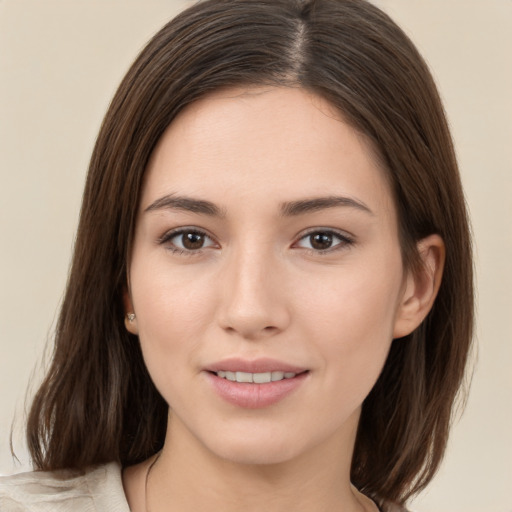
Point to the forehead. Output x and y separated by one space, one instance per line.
266 143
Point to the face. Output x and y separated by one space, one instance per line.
266 249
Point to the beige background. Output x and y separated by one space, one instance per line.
60 61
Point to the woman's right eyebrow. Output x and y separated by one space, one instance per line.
189 204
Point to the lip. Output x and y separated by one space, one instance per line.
252 395
261 365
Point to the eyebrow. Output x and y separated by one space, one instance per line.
188 204
321 203
288 209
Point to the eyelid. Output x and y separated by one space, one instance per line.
346 239
169 235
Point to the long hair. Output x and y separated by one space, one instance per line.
97 402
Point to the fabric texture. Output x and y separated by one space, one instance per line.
99 489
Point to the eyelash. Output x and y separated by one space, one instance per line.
181 231
343 239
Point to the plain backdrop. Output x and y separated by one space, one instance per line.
60 62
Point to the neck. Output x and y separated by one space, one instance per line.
188 476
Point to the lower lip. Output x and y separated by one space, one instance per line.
254 396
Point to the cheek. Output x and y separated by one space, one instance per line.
352 318
173 309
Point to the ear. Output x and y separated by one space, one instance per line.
130 320
421 286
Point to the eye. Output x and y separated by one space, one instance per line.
323 241
187 240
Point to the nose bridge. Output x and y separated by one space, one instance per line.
253 302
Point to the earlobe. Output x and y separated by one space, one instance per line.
421 286
130 320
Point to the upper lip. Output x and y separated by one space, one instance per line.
261 365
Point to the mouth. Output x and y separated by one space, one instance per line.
256 378
255 384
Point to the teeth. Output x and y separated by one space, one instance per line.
244 377
257 378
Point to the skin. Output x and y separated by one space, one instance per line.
260 287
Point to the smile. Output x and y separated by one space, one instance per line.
255 390
257 378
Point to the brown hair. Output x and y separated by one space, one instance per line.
97 403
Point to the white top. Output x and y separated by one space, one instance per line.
99 489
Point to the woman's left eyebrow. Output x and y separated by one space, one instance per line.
320 203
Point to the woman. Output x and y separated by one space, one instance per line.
270 302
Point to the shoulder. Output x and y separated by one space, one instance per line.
99 488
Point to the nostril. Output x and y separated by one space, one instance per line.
252 331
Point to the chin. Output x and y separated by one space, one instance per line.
259 449
245 454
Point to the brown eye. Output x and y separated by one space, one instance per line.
192 241
324 241
187 240
321 241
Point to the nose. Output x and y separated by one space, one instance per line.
253 303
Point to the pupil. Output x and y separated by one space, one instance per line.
321 241
193 240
